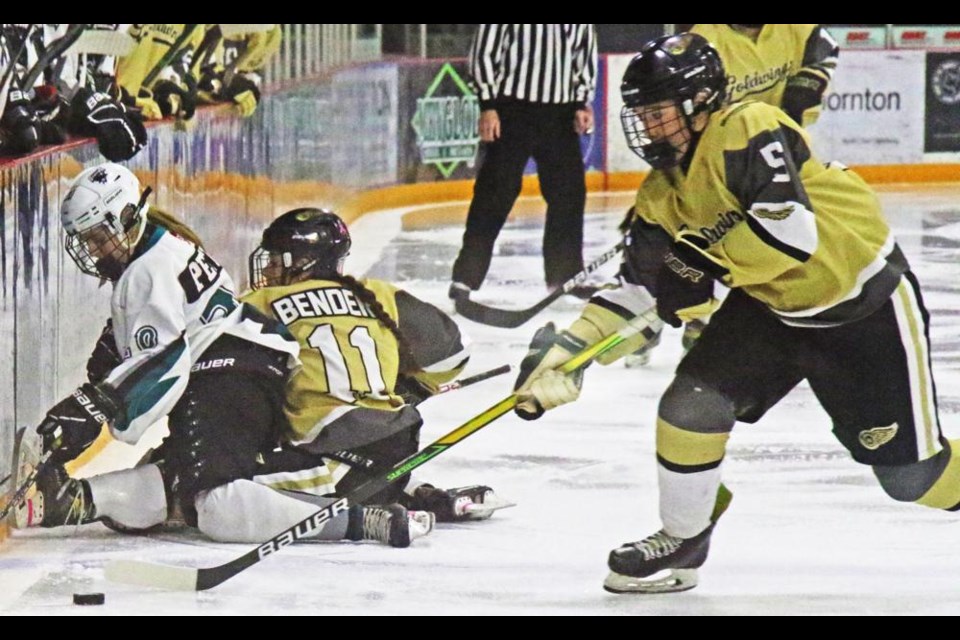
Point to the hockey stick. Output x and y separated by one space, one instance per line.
192 579
178 46
480 377
9 71
53 50
25 486
510 319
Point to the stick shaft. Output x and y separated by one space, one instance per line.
480 377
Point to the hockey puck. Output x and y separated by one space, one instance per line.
89 598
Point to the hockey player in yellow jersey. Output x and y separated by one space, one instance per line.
370 352
230 64
155 77
784 65
820 291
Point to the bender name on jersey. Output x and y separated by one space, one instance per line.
319 302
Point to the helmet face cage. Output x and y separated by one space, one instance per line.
684 70
300 244
659 154
274 269
103 215
260 275
100 251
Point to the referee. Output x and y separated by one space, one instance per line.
535 83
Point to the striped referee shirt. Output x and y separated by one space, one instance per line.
540 63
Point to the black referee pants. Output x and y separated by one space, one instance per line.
544 132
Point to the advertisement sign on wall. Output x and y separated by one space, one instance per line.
860 37
925 37
438 116
439 113
871 112
942 131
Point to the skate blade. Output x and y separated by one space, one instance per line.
421 523
484 510
666 581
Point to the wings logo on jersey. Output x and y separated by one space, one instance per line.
771 213
875 438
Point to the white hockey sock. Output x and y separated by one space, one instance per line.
133 498
244 511
687 500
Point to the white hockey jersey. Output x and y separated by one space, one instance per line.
171 303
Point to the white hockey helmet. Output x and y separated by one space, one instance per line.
103 214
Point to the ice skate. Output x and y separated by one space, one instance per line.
390 524
663 563
474 502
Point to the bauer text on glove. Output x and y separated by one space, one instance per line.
75 422
685 283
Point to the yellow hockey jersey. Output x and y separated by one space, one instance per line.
760 70
808 240
351 360
159 47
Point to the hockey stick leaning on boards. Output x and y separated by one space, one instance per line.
11 68
25 486
511 318
192 579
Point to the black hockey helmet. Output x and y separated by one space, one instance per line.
677 67
682 68
306 241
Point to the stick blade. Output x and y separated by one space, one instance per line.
504 318
148 574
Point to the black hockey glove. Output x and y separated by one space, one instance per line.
20 134
412 390
105 356
177 99
685 283
52 111
244 93
75 422
210 84
539 387
803 91
120 134
646 244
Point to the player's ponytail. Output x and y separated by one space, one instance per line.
173 224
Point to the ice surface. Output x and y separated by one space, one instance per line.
808 532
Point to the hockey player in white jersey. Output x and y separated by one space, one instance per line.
185 348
